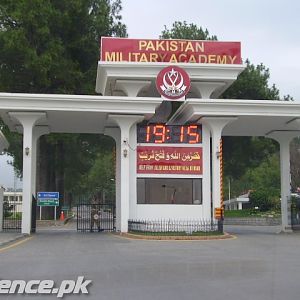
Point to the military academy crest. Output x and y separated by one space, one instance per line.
173 83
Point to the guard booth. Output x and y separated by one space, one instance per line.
159 102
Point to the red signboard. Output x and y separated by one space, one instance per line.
173 83
169 160
170 51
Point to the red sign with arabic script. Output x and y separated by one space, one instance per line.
169 160
170 51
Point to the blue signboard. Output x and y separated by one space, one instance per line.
48 198
48 195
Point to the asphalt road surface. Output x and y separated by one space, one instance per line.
259 264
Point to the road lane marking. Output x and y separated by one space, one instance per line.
15 244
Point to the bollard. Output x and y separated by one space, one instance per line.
220 226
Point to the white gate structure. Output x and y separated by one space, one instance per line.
129 98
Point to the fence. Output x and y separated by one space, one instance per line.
95 217
176 227
12 216
295 213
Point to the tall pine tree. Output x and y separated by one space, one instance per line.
52 46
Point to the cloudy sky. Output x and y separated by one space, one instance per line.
269 31
7 178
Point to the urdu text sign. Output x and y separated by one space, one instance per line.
169 160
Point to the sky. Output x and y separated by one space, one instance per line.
7 177
269 32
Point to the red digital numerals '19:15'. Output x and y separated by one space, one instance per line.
160 134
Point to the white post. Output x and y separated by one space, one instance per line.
284 139
216 126
125 122
1 207
240 205
38 131
115 133
3 142
229 189
3 145
28 120
285 177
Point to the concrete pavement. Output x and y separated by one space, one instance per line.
258 264
9 237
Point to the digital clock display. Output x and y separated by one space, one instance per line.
169 134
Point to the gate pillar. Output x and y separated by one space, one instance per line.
115 133
216 126
125 123
28 121
3 145
284 138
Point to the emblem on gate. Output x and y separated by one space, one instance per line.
173 83
96 216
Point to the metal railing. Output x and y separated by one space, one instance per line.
12 216
95 217
295 213
176 227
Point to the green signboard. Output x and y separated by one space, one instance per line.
48 199
48 202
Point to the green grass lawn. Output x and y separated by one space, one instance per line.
13 216
250 213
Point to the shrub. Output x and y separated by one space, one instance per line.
263 200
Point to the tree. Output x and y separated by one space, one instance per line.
264 177
263 182
295 163
253 83
240 153
262 200
183 30
53 47
102 176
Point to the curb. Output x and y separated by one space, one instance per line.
226 236
12 240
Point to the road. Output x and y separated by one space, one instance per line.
258 264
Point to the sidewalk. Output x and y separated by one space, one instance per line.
8 237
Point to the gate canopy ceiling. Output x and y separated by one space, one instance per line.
88 114
253 117
74 113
